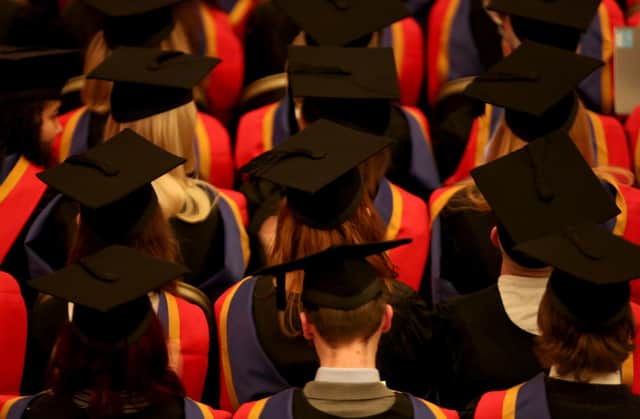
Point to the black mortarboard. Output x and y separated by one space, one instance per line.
576 14
110 290
340 22
353 73
353 86
112 182
339 277
541 189
319 169
135 23
592 270
151 81
532 79
35 73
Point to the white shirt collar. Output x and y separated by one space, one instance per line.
613 378
347 375
521 297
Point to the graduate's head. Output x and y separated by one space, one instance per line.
537 98
151 24
585 316
344 298
111 183
555 23
533 192
29 99
353 87
113 344
328 206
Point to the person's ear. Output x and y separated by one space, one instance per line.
307 328
387 319
494 237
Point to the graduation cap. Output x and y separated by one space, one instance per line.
532 79
576 14
339 277
340 22
540 190
135 23
592 272
352 86
112 183
22 72
110 291
151 81
319 170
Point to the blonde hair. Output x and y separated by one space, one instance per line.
294 240
179 195
96 94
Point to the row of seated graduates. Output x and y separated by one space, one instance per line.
212 182
454 52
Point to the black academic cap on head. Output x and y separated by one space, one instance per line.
592 272
319 169
151 81
338 278
23 77
543 188
341 73
135 23
110 290
351 86
576 14
339 22
532 79
112 182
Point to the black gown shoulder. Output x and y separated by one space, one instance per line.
568 400
202 249
479 349
52 407
469 261
47 318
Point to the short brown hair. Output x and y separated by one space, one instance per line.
578 351
338 327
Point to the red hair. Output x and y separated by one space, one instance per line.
141 369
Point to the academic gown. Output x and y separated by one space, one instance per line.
13 339
46 405
22 197
83 129
549 398
258 360
269 33
479 348
292 404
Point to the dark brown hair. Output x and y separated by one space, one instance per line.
339 327
582 353
140 369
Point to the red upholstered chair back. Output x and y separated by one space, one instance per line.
13 335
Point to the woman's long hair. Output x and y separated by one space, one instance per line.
113 378
180 196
